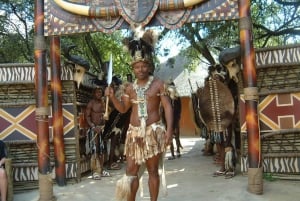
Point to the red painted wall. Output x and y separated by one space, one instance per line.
187 125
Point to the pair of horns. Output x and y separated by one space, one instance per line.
112 11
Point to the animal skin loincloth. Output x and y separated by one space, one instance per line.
140 147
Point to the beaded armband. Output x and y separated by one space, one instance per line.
165 92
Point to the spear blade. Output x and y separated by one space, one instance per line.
109 71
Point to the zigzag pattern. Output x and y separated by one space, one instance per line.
275 164
21 74
30 173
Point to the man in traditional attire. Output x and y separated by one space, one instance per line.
95 118
147 137
176 105
114 127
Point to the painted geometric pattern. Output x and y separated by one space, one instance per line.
85 165
276 164
278 55
15 73
215 10
30 173
276 112
60 22
18 123
68 119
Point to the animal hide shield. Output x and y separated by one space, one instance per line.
179 17
197 117
137 11
216 105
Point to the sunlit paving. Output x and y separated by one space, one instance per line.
187 178
176 100
172 185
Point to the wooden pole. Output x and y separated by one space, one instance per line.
10 179
41 84
255 182
56 92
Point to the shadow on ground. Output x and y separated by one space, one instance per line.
189 178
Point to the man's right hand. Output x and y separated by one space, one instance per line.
97 129
109 91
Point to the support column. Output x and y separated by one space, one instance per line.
57 114
42 109
255 181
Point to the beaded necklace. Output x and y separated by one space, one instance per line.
141 101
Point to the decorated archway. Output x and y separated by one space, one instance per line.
62 17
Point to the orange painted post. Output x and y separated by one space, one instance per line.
255 171
57 114
42 109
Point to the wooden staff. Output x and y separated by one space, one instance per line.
109 79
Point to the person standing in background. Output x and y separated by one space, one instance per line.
95 118
3 176
176 105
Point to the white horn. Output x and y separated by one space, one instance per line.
111 11
89 11
190 3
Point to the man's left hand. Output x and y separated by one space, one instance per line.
168 138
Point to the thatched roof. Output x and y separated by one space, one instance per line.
181 76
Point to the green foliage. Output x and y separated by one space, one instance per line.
97 48
16 31
274 23
9 52
195 57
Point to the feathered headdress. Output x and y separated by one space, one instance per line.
141 45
